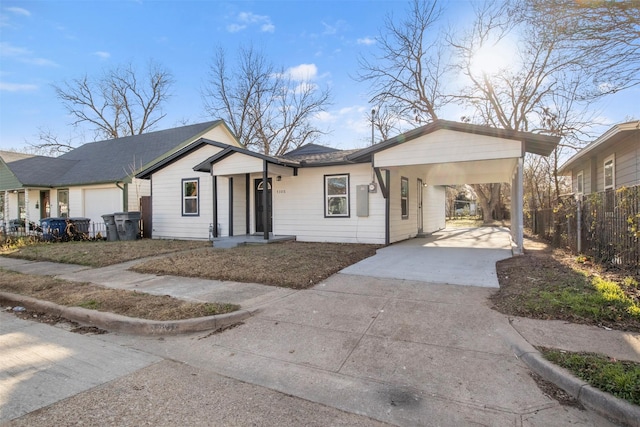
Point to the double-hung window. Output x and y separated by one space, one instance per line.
190 201
580 184
404 197
609 172
336 195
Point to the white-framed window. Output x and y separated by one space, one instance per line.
63 203
190 200
580 183
336 196
610 172
404 197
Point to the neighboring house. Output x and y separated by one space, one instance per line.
611 161
94 179
391 191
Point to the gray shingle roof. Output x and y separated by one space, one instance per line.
105 161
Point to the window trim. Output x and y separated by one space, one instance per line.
403 181
580 183
196 197
611 159
347 196
60 214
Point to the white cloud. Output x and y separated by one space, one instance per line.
302 72
234 28
7 50
332 29
325 117
246 19
17 87
367 41
102 54
18 11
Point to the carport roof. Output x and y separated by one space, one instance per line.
533 143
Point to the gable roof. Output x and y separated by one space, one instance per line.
613 135
106 161
533 143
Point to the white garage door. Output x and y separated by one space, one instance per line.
98 202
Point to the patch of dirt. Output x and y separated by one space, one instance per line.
49 319
554 392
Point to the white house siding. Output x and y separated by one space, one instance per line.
137 188
239 205
403 228
76 202
298 207
166 190
433 208
445 146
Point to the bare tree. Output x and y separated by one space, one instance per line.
408 74
119 103
555 71
269 109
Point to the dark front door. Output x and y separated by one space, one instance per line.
146 213
259 188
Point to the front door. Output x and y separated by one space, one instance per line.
45 207
259 188
419 200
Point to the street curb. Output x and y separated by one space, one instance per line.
605 404
118 323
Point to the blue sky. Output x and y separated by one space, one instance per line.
46 42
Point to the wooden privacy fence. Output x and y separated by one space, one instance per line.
603 226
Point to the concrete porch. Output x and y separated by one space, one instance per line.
248 239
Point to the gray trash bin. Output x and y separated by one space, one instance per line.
128 224
82 224
112 229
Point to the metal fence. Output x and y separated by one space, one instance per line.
18 229
603 226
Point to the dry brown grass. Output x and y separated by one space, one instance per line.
126 303
289 264
100 253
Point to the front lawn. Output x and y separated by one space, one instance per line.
295 265
548 283
95 253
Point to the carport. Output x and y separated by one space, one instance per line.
451 153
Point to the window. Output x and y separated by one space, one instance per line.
190 196
580 183
22 212
63 203
336 195
404 197
609 172
2 206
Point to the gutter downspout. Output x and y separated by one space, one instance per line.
125 195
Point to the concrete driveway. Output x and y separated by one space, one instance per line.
459 256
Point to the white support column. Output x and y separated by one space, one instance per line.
6 210
26 211
517 216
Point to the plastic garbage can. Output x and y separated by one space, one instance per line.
112 229
128 224
53 228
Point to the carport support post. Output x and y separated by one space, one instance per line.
265 199
517 220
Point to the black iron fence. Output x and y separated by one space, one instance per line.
604 226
